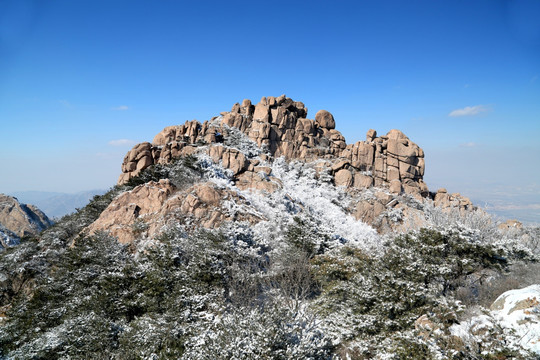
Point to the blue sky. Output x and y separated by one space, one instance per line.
76 76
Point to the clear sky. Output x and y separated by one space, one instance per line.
82 81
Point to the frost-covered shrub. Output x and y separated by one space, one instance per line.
303 236
18 266
395 215
24 266
182 172
527 236
91 302
366 298
270 332
532 239
153 336
453 218
70 300
240 141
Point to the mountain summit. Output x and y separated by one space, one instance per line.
280 127
378 181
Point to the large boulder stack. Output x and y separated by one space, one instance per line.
280 127
391 161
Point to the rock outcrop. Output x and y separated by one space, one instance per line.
149 208
445 200
280 127
510 224
246 142
18 220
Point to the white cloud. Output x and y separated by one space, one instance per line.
121 108
469 111
468 144
122 142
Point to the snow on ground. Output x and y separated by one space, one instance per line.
7 238
519 310
325 202
301 194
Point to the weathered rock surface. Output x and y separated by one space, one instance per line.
445 200
149 208
20 220
510 224
121 217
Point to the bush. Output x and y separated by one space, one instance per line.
381 297
93 299
182 172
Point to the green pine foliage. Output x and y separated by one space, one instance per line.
99 300
378 299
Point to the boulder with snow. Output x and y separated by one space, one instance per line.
519 310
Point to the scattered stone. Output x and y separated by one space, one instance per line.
343 178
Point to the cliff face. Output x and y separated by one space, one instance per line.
18 220
280 127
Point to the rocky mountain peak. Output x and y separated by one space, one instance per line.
378 181
261 218
279 127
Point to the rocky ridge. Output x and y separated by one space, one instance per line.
383 175
280 127
19 220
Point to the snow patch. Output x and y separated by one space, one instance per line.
519 310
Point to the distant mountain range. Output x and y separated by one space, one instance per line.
56 204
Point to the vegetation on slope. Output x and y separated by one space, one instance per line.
222 294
